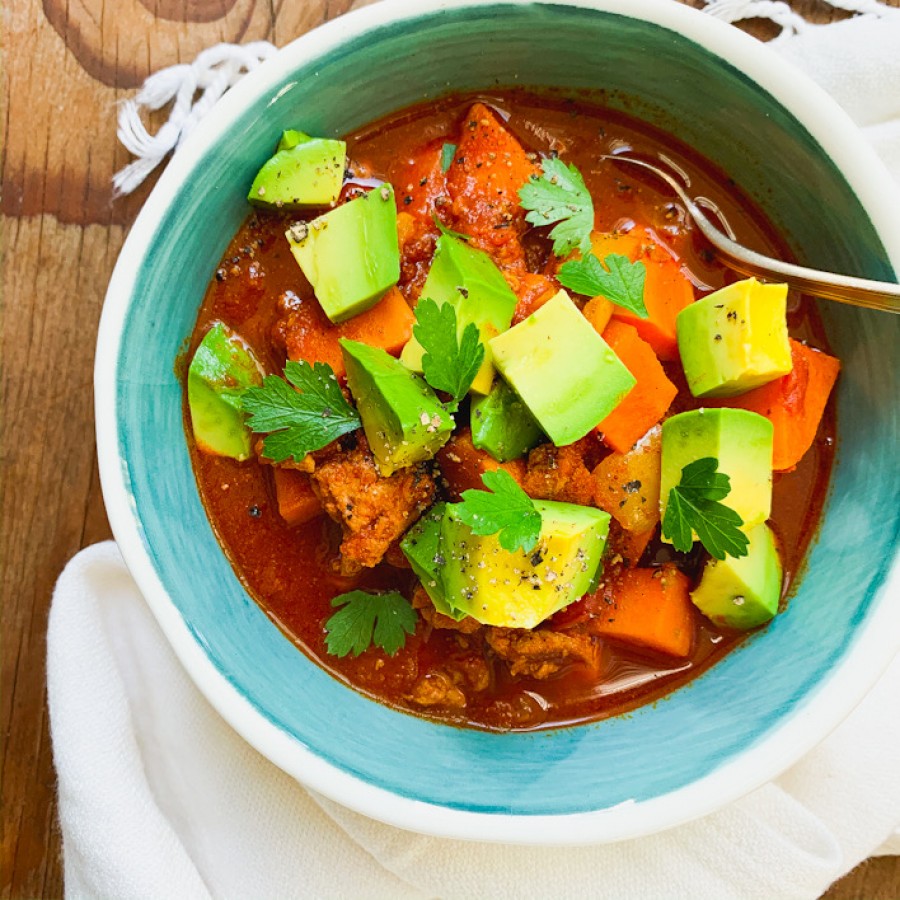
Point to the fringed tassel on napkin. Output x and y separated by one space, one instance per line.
781 14
217 69
212 73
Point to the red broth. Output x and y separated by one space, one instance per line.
290 570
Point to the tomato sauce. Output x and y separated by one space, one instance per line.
289 570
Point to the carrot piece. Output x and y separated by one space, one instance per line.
646 403
420 180
793 403
297 502
462 464
667 289
387 325
598 312
626 485
651 608
483 182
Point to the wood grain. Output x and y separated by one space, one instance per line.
67 64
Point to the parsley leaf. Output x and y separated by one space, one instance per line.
385 619
560 195
302 420
621 282
508 510
448 151
450 363
693 506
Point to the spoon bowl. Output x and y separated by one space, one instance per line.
880 295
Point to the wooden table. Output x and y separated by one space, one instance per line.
67 64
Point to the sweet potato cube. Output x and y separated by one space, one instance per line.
489 167
667 289
598 311
626 485
647 402
387 325
794 403
297 502
649 608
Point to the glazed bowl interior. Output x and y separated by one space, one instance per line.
732 728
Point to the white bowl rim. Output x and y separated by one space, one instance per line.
875 645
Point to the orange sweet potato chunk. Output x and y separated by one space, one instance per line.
793 403
626 485
647 402
667 289
297 502
483 182
650 608
387 325
419 181
598 311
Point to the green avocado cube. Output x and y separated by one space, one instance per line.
223 368
741 442
290 138
566 374
469 280
403 419
742 592
304 172
518 589
502 424
350 255
421 545
735 339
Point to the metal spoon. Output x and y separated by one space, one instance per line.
882 295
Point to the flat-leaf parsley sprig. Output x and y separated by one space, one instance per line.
300 414
364 619
616 278
451 362
693 506
507 510
560 196
448 151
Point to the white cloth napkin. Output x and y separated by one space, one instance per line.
158 797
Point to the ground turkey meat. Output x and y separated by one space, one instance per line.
562 473
373 511
438 689
541 653
448 685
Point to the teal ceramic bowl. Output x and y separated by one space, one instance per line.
743 722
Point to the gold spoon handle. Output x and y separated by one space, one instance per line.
880 295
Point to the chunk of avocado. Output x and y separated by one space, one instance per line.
402 417
741 441
290 138
468 279
518 589
304 171
223 367
421 545
502 424
742 592
566 374
351 254
735 339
